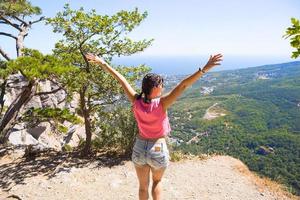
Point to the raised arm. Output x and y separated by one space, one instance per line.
168 99
129 91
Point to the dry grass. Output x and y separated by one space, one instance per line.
176 156
265 183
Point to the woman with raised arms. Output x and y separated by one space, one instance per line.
150 152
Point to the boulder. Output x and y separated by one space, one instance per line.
22 138
74 134
45 136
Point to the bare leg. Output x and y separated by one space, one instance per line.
143 176
156 187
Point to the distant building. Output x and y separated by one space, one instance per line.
265 150
174 141
263 75
206 90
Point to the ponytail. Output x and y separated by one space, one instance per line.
140 95
145 99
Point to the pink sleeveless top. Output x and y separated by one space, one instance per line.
152 121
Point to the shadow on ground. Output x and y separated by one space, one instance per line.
49 163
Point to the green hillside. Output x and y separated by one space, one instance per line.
260 121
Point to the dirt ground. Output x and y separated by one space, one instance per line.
62 177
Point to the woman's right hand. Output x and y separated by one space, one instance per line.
94 58
213 61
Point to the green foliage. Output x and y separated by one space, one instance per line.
260 114
44 114
35 65
67 148
106 36
18 8
34 116
176 156
293 33
62 129
101 34
4 71
117 129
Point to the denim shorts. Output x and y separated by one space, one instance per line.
152 153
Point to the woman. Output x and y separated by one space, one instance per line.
150 151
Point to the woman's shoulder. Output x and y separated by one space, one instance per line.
136 97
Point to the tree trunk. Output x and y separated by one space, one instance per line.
20 39
3 87
8 120
88 132
87 123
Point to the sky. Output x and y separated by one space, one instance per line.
235 28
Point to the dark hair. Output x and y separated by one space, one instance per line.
150 81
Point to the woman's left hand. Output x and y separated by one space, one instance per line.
94 58
213 61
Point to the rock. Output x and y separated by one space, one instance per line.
22 138
45 86
42 134
48 138
37 131
17 81
35 102
74 134
73 104
59 97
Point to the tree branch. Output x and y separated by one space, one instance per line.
62 87
10 23
85 60
94 106
49 92
87 38
4 54
108 103
42 18
16 87
8 35
62 100
20 20
113 38
52 78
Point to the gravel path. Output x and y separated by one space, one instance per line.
210 114
217 178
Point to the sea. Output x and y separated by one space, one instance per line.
182 65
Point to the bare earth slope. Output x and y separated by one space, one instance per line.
218 177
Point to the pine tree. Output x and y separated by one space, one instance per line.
15 14
105 36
